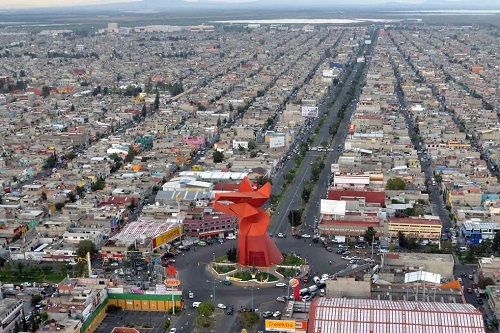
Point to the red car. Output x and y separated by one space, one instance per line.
469 290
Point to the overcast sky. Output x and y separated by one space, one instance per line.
11 4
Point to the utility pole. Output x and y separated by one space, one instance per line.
213 292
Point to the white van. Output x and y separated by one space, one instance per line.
196 304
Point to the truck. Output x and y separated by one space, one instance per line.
339 239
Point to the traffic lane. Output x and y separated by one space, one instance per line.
291 199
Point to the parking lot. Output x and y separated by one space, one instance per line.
152 321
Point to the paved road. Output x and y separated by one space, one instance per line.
292 198
437 203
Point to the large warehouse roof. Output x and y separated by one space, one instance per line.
337 315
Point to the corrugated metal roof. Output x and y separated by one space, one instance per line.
337 315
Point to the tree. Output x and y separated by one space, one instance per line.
50 162
44 196
218 156
35 299
205 309
484 282
232 254
295 217
370 234
130 154
306 193
262 180
156 104
251 145
403 243
71 196
496 242
45 91
395 184
84 247
44 316
98 185
72 108
144 111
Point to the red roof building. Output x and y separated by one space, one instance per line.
370 196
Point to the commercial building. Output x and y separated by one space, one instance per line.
489 268
409 262
475 231
338 315
11 311
415 227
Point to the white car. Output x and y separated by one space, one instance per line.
306 236
173 330
280 284
221 306
190 295
231 236
280 235
276 314
369 260
196 304
355 258
347 258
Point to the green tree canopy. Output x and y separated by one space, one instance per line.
218 156
395 184
206 309
295 217
84 247
370 234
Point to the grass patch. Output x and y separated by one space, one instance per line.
18 273
292 260
265 277
243 276
222 269
287 272
222 259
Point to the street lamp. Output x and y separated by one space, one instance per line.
213 256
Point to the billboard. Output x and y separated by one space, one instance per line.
167 236
333 207
310 111
277 141
280 325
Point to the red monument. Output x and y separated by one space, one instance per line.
255 247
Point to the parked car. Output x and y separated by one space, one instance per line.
280 284
277 314
280 299
267 314
221 306
306 236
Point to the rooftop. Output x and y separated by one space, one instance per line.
337 315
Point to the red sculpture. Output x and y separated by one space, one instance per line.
255 247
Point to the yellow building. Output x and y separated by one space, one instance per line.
415 227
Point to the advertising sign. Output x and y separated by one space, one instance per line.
293 282
170 282
310 111
280 325
333 207
167 236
